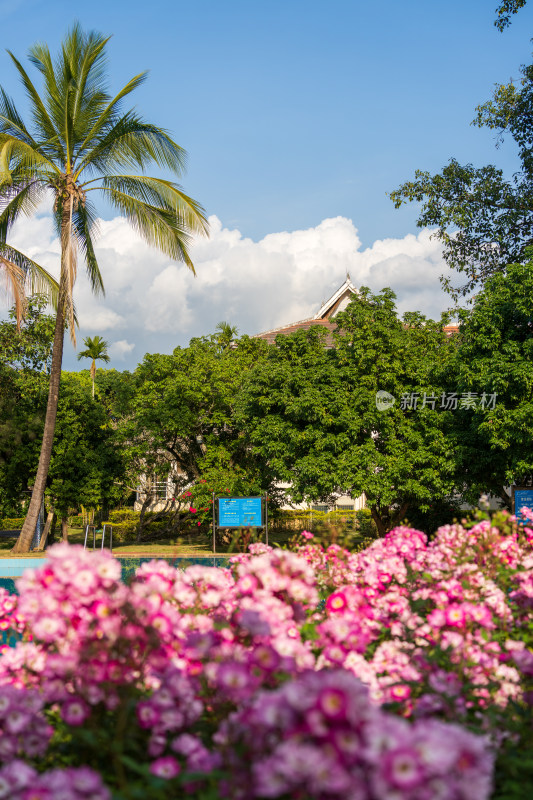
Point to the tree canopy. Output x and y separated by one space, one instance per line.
494 446
504 12
311 413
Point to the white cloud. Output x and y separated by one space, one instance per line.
119 350
100 319
158 304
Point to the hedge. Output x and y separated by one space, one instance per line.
11 523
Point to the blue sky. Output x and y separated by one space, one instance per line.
293 113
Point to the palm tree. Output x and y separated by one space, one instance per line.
97 350
225 334
79 140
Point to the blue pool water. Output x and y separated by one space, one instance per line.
12 568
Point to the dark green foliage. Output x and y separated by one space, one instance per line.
86 466
311 414
24 366
441 512
504 12
495 447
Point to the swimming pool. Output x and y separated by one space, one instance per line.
13 568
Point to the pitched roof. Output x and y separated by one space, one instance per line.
323 318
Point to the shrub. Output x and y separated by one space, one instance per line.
11 523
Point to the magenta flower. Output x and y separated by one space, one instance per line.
332 703
166 767
402 769
336 602
75 711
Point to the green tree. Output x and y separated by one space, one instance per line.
483 220
505 10
96 349
310 412
87 467
225 334
80 140
180 421
25 357
494 361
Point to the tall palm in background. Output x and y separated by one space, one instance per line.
96 349
225 334
80 140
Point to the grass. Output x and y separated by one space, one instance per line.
180 548
176 549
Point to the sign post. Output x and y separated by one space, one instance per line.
239 512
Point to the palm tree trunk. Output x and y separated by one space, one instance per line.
23 543
64 528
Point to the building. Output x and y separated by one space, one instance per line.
325 317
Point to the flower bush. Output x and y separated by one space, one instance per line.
401 672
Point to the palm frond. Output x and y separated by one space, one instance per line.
69 262
163 194
84 225
10 120
96 349
107 117
17 156
89 80
38 108
36 278
14 280
159 226
133 143
16 201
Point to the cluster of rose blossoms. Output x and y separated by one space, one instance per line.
437 613
19 781
321 736
245 672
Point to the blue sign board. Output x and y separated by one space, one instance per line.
239 512
522 497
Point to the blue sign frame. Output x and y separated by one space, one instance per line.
522 497
240 512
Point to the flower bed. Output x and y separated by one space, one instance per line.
401 672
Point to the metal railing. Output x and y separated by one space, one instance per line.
88 528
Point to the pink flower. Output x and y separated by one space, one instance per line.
400 692
166 767
332 703
336 602
75 711
402 768
455 615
